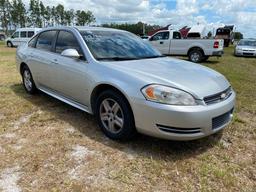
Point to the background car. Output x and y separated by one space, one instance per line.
246 47
2 36
20 36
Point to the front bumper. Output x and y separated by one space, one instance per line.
245 53
182 122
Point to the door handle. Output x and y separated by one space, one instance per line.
161 42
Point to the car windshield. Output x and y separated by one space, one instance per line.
247 43
118 46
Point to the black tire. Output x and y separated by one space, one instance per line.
32 88
9 44
195 55
127 131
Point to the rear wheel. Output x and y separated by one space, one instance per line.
28 82
195 56
115 116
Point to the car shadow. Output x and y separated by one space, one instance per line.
141 145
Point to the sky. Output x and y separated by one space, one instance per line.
212 13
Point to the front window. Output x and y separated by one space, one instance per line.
247 43
66 40
16 35
160 36
117 45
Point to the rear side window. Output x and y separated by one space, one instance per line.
176 35
45 40
23 34
193 35
67 40
30 33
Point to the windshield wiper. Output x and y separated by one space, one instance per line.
152 57
117 58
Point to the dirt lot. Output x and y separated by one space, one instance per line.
46 145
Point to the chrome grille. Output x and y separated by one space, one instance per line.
216 98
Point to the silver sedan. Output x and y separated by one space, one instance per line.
127 84
246 47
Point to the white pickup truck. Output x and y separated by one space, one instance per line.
169 42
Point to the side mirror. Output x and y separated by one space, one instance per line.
72 53
12 37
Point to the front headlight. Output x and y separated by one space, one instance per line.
167 95
239 49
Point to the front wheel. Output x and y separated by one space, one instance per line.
9 44
28 82
115 116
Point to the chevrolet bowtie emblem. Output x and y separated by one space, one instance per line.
223 95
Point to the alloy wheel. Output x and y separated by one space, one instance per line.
111 115
195 57
27 80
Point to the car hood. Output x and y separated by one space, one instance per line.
198 80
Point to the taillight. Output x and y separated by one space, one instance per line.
216 45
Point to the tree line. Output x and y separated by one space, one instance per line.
136 28
14 14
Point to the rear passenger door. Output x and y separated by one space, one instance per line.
41 59
161 41
178 46
71 73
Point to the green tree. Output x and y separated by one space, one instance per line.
5 16
136 28
42 13
84 17
69 17
18 13
60 14
209 35
238 36
34 14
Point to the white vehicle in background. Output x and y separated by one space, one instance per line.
21 36
196 32
169 42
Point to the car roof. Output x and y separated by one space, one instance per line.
82 28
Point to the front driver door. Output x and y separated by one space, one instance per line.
161 41
72 74
15 38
